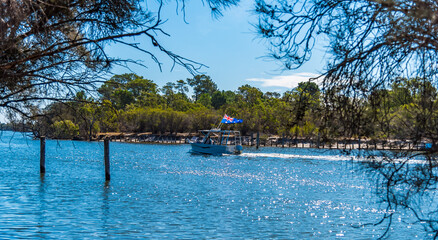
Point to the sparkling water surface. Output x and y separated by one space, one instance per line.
164 192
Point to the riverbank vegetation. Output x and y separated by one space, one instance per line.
133 104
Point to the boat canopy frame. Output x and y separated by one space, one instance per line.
221 137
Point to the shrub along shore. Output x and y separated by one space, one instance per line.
129 106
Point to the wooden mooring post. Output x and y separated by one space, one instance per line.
282 141
318 141
42 155
106 158
258 140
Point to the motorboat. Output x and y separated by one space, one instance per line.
218 142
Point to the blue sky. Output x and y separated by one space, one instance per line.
229 47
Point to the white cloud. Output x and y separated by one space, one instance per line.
288 81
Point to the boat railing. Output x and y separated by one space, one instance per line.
217 136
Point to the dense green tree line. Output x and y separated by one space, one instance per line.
131 103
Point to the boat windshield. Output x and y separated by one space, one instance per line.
221 137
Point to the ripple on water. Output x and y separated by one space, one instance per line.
162 191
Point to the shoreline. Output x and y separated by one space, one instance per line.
251 141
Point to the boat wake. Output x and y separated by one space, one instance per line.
322 157
296 156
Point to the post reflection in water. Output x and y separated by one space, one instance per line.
40 212
105 208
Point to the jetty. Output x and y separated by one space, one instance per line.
272 141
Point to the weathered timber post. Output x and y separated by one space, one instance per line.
42 155
282 141
318 140
258 140
106 158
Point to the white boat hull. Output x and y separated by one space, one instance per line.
211 149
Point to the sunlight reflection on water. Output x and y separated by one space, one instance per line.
162 191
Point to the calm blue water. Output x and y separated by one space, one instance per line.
162 191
